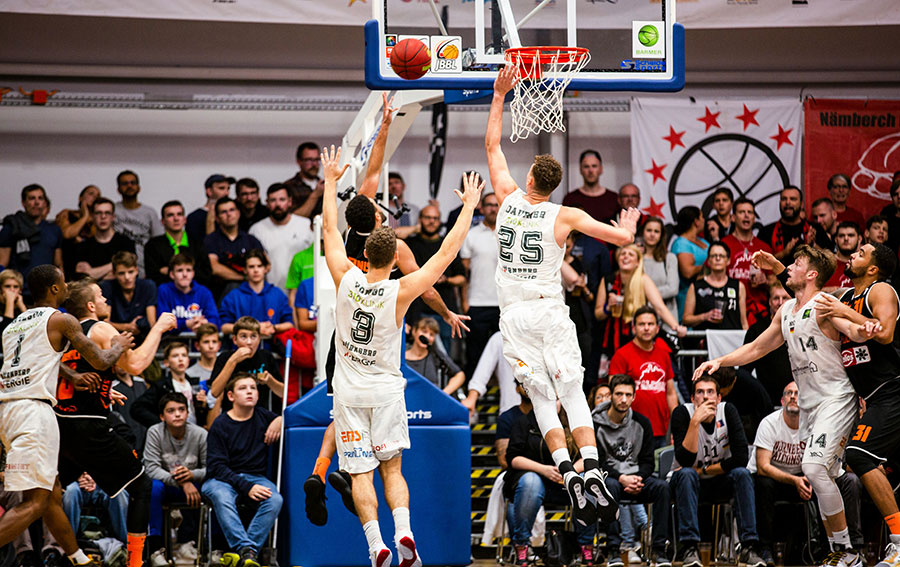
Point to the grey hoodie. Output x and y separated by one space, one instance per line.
624 448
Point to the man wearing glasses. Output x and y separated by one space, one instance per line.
134 219
306 187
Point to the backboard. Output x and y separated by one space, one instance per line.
635 45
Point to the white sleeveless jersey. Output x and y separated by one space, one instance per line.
367 342
712 447
530 258
815 359
30 363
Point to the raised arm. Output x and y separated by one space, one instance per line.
619 234
414 284
769 340
101 359
501 180
335 253
369 186
135 361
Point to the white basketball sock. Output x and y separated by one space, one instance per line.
373 536
560 456
401 523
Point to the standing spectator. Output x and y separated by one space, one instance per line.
132 387
478 215
716 301
824 224
95 253
146 408
208 344
595 199
785 234
237 457
647 360
625 444
258 299
76 227
878 231
492 363
396 189
136 221
190 302
26 239
630 196
160 249
774 369
282 235
132 300
306 187
578 296
711 455
424 245
430 362
202 221
660 264
11 284
721 224
891 215
839 190
175 459
743 244
690 249
247 191
847 240
479 257
227 246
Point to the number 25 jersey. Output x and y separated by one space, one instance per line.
530 258
367 342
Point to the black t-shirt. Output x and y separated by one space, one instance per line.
787 232
246 221
122 311
709 297
230 253
101 253
430 367
506 420
261 361
423 250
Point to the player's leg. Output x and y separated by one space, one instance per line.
314 486
16 520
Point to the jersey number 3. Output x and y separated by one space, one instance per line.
531 246
364 327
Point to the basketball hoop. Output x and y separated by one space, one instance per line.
544 74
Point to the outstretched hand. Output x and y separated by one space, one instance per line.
331 167
472 186
628 220
506 79
766 261
707 367
387 111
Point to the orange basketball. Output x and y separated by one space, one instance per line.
410 59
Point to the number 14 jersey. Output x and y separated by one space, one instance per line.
367 342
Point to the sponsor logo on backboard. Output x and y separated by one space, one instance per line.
446 54
648 40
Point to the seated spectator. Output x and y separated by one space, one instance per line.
76 227
599 394
689 249
429 361
85 492
532 479
396 189
306 187
743 245
227 246
302 267
711 456
620 296
191 303
132 387
26 239
95 253
247 191
491 364
847 241
878 230
625 445
305 310
746 394
132 299
11 284
136 220
208 345
202 221
716 301
237 457
248 358
160 250
660 264
647 360
258 299
839 191
282 234
778 475
721 224
505 423
146 408
175 458
774 369
891 215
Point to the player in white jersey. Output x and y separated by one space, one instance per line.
369 407
829 403
33 345
539 338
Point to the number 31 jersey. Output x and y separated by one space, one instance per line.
367 342
815 358
530 258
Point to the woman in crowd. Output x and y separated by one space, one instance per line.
76 226
716 301
11 284
660 264
622 293
689 248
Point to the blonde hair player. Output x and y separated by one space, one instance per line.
539 338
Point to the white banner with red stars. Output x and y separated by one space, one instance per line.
682 150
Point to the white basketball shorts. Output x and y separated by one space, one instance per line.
366 436
30 434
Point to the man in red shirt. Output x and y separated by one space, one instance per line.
595 199
646 359
743 244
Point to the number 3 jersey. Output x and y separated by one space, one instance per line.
367 342
530 258
815 358
30 363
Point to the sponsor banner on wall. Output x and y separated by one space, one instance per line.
682 150
593 14
859 138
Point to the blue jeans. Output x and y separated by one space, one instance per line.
687 487
531 493
632 519
74 498
654 492
224 499
163 494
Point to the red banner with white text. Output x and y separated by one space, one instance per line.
859 138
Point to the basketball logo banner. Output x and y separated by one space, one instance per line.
682 150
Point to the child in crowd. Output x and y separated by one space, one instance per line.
248 357
257 298
146 408
11 284
209 344
190 302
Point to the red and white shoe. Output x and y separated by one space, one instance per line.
409 557
382 558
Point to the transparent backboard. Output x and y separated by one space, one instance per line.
634 44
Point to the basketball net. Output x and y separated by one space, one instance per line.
544 72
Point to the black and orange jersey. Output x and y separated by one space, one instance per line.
869 364
355 245
81 403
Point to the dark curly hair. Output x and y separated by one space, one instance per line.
360 214
547 174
